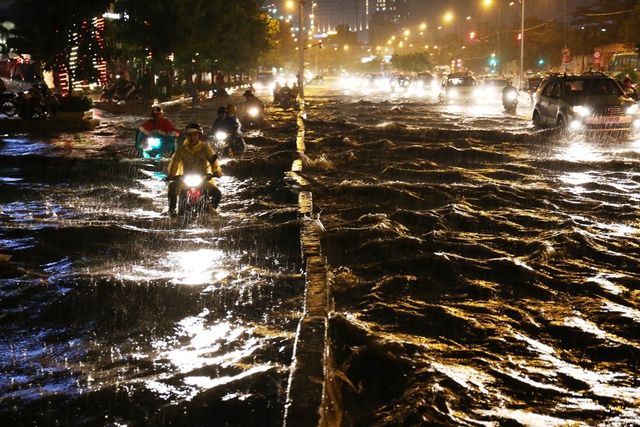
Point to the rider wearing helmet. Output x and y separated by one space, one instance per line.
157 128
158 124
250 99
253 110
194 157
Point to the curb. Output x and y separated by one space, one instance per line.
310 395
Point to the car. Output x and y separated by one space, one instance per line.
460 88
584 102
264 80
317 80
425 80
370 81
493 86
399 82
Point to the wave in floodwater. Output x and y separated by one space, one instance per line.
482 272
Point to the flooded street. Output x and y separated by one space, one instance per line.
483 273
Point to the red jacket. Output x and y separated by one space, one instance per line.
163 127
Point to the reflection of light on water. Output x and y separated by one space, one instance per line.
602 279
577 180
222 344
579 151
195 267
624 311
183 267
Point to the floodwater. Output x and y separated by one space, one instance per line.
483 273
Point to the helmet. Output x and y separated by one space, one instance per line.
194 127
222 110
155 110
248 93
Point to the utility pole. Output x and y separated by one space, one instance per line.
301 48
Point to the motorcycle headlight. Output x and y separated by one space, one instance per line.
632 109
453 93
511 96
253 111
221 136
152 143
193 180
581 110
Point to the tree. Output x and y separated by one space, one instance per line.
43 28
200 35
413 62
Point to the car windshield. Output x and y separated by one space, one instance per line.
592 87
461 81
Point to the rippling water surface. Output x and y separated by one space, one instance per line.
483 273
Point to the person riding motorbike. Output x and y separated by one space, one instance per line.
509 97
194 157
253 110
159 127
234 144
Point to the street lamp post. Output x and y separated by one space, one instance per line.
301 48
521 41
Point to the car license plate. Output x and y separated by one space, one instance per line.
608 120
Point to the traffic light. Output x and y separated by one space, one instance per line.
493 61
519 37
472 35
540 61
320 44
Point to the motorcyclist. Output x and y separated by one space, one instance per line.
252 102
235 144
158 126
286 96
509 96
277 88
194 157
218 122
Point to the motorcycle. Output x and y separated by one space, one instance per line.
253 118
122 92
31 104
192 201
220 93
510 101
228 144
155 145
8 104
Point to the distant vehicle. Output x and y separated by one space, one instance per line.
425 81
399 82
460 88
265 80
493 86
317 80
530 85
370 80
584 102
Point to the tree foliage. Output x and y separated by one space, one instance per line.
412 62
199 35
42 27
202 35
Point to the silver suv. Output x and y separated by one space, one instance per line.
584 102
